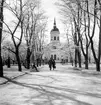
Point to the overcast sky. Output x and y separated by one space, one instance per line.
52 12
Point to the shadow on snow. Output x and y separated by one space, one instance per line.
52 93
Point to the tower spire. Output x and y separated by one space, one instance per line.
54 26
54 22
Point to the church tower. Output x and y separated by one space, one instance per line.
55 42
54 34
54 49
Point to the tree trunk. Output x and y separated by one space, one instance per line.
71 60
18 60
99 46
8 62
98 66
1 67
37 62
75 57
28 58
97 61
86 56
79 58
1 64
1 26
86 62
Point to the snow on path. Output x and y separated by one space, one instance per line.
59 87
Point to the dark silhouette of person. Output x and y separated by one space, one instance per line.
34 67
52 63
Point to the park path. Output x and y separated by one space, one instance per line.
63 86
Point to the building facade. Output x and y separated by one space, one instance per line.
54 49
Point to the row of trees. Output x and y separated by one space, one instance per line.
84 18
29 23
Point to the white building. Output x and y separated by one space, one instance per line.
55 49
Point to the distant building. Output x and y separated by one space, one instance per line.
55 49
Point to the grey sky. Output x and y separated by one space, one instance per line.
51 11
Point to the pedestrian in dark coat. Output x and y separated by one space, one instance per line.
52 64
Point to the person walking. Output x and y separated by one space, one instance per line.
52 64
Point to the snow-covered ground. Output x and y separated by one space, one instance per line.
64 86
11 73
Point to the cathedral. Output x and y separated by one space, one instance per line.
55 49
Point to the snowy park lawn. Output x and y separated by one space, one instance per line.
65 85
91 71
11 73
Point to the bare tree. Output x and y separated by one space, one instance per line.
71 11
93 18
34 15
41 29
29 27
17 11
85 15
1 28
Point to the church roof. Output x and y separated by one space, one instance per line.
54 27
